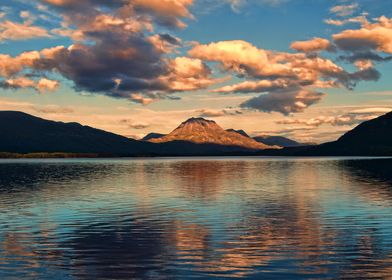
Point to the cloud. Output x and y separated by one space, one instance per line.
167 12
116 52
340 22
165 43
53 109
10 66
210 113
14 104
375 36
125 49
138 125
372 110
134 125
207 6
299 133
290 81
241 57
344 10
285 102
186 74
10 30
314 45
141 99
25 14
254 86
42 85
246 60
237 4
306 134
21 82
365 56
363 46
347 119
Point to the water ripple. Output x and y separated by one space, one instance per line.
256 218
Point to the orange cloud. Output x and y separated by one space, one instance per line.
188 74
290 80
255 86
376 36
168 11
241 57
42 85
12 65
339 22
313 45
10 30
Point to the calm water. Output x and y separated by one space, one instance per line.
255 218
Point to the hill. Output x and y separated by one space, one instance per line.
278 141
24 133
152 135
370 138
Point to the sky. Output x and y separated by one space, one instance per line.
306 69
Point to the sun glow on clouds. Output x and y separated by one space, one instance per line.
127 50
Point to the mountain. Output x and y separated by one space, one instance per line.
152 135
23 133
200 130
370 138
240 131
271 140
277 141
267 140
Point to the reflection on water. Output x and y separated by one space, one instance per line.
201 218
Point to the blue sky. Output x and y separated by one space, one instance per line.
146 65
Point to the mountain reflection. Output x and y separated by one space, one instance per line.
152 219
205 180
373 179
119 250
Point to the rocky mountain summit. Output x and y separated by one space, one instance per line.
200 130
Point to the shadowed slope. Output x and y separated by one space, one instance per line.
23 133
278 141
372 137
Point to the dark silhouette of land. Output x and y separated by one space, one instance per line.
278 141
24 135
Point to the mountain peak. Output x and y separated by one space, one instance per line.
198 120
203 131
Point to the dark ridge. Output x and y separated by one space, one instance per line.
152 135
239 131
24 133
278 141
370 138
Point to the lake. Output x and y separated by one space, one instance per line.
203 218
